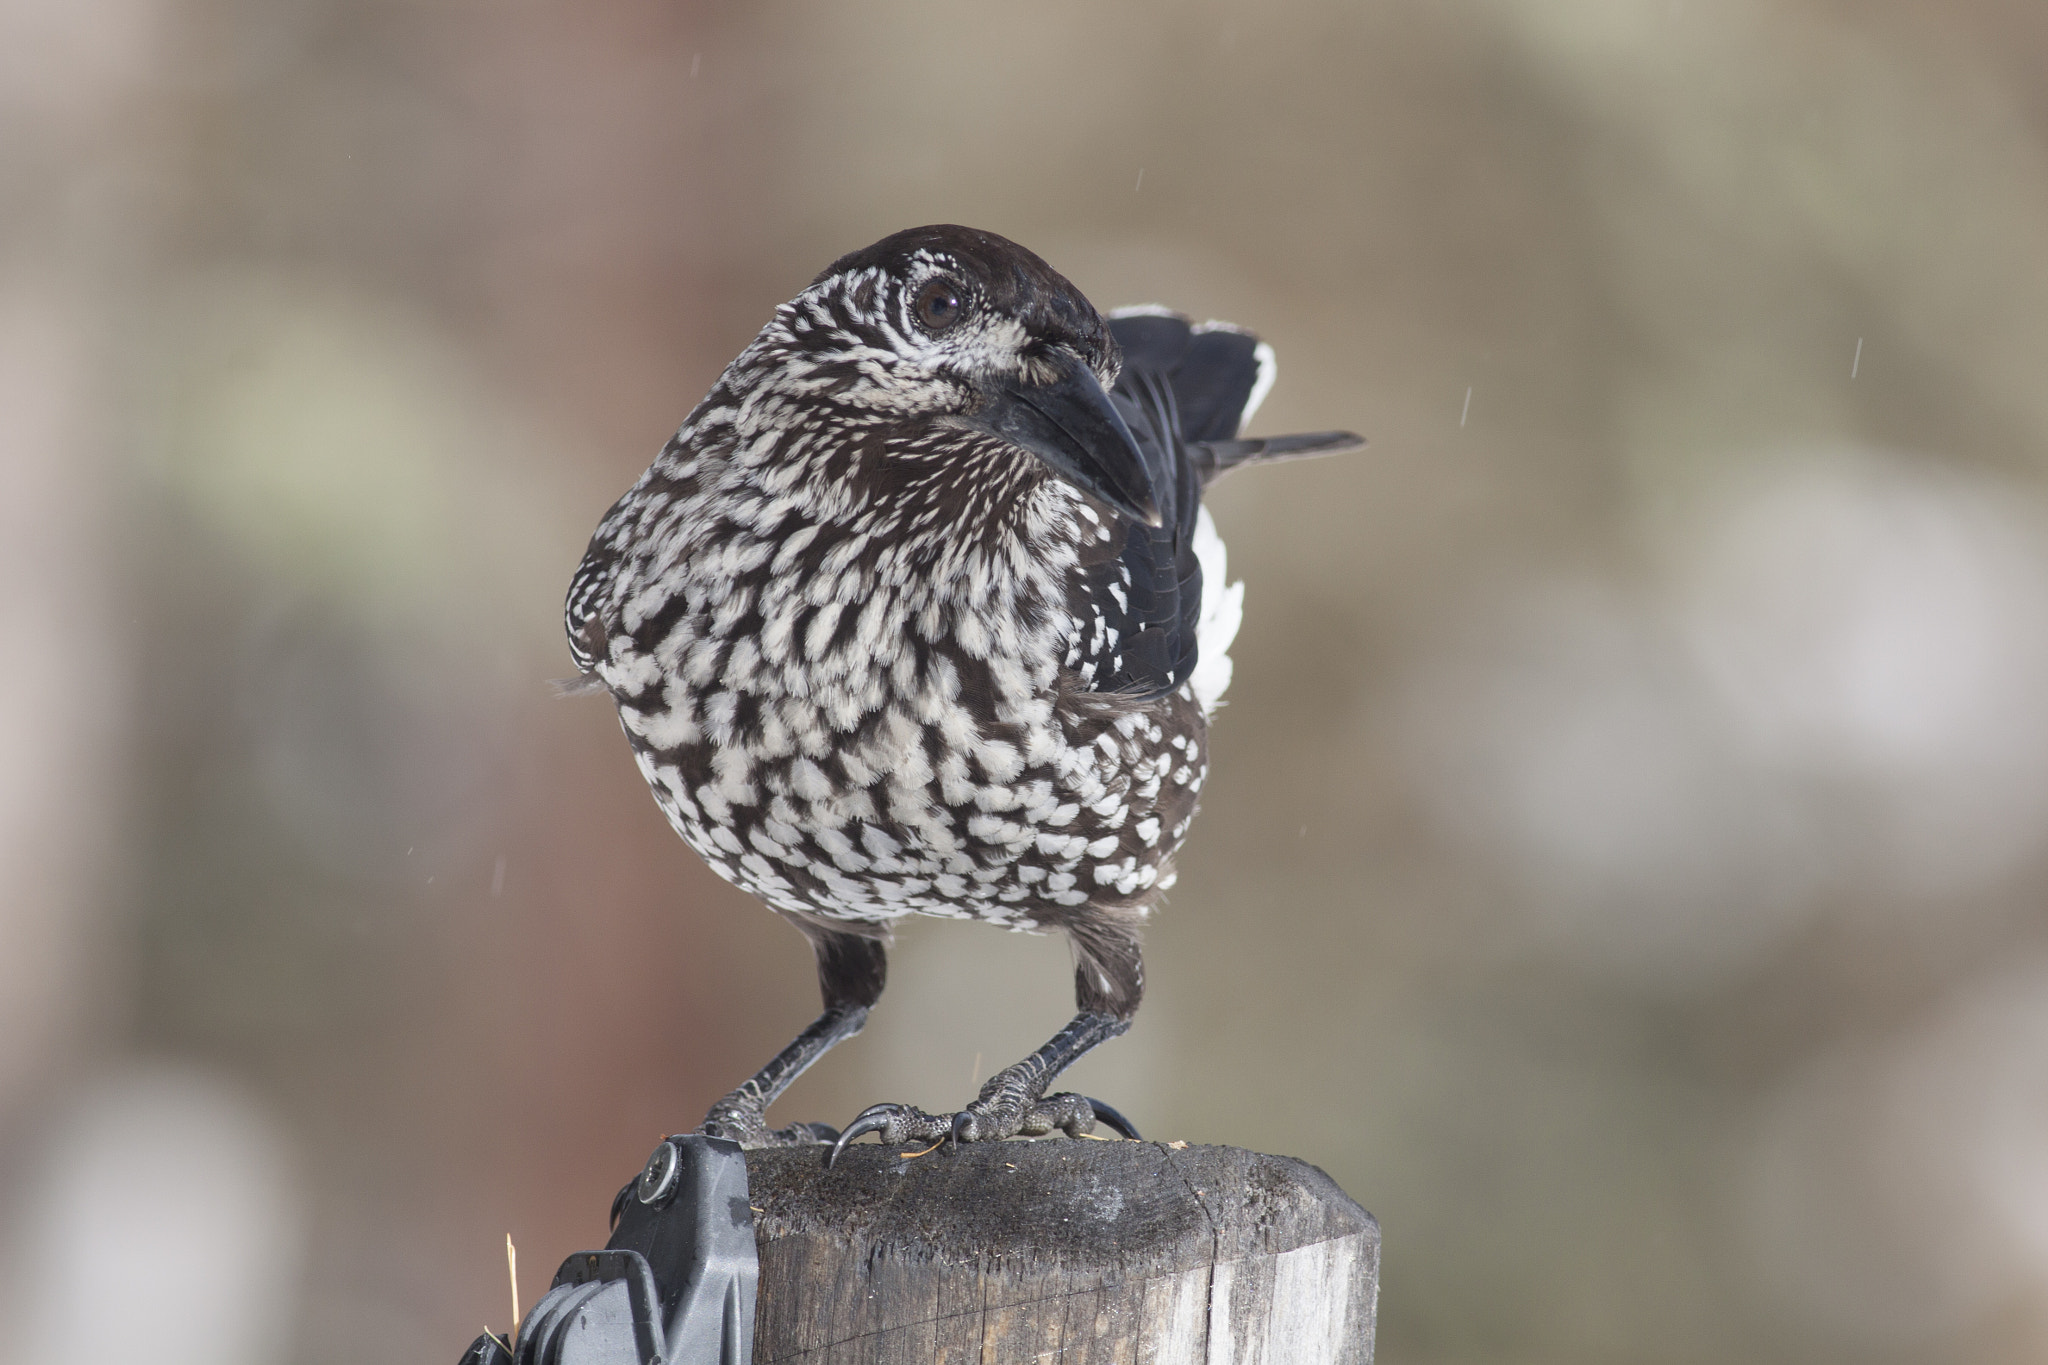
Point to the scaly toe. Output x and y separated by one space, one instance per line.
1065 1112
895 1123
744 1125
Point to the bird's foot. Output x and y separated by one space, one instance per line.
744 1123
992 1117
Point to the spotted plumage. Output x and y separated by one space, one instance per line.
913 617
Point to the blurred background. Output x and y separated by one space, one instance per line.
1623 861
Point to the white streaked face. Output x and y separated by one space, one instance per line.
922 338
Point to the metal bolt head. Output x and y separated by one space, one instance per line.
658 1177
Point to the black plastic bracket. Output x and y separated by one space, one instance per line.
674 1286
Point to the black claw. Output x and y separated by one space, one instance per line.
876 1118
1113 1119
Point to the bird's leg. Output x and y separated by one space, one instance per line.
852 969
1109 979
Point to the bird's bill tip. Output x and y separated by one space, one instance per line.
1071 424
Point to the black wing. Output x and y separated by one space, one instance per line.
1185 390
588 611
582 612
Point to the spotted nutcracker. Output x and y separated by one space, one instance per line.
920 613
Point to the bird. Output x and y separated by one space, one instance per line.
920 612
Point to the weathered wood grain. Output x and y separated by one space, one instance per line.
1083 1253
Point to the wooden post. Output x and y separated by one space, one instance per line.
1076 1252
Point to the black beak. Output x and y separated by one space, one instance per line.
1072 426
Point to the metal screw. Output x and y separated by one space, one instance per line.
658 1177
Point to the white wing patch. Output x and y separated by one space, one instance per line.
1222 612
1269 369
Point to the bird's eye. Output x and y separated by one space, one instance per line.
939 305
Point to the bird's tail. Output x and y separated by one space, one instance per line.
1206 380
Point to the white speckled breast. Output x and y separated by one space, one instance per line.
852 722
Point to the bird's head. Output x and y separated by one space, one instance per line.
948 328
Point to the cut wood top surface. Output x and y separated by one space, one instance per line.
1091 1253
1132 1208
